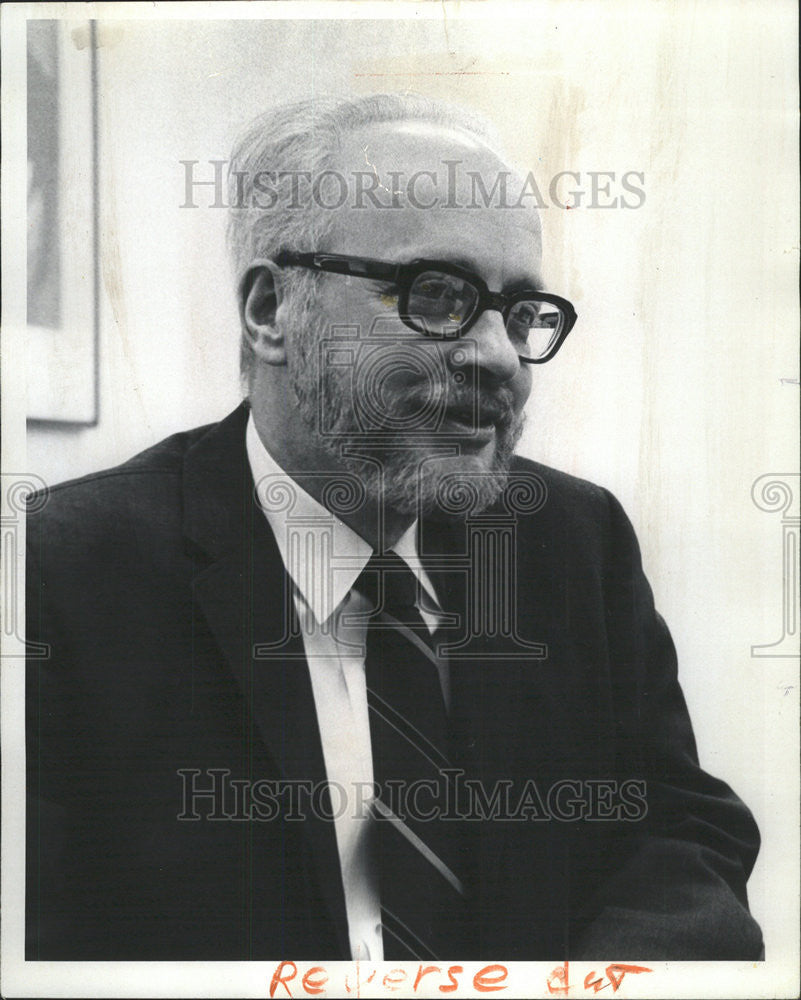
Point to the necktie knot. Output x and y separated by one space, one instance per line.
388 583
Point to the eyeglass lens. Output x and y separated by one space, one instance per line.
442 302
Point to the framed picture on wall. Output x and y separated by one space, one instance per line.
62 322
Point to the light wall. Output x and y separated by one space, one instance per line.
669 390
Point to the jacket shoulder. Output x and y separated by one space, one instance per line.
164 458
144 490
561 491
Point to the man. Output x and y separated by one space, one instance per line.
339 677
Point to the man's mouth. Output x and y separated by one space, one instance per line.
478 424
479 418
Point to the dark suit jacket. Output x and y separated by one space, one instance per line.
152 582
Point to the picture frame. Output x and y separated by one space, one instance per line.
62 289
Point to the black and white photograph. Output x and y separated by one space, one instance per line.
400 499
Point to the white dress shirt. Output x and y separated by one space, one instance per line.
324 557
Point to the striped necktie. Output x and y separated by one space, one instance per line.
417 848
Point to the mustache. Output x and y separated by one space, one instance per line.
468 405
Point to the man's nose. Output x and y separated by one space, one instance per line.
489 348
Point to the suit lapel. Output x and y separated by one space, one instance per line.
507 718
245 595
517 654
487 664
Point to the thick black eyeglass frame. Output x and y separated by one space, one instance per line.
403 275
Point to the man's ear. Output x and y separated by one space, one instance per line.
259 300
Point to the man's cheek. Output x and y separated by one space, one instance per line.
521 387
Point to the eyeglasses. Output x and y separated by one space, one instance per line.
442 300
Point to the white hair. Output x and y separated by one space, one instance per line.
302 139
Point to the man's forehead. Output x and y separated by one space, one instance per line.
464 236
453 198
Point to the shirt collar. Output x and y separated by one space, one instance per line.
324 536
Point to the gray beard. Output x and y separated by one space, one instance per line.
395 474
